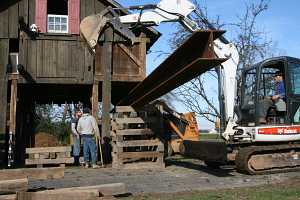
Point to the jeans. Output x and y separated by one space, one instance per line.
76 146
89 146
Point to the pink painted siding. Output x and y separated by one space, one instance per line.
74 16
41 15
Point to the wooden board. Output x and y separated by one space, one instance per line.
49 161
136 120
8 197
134 132
141 165
4 14
13 18
80 193
33 173
48 149
12 186
139 155
139 143
121 109
4 49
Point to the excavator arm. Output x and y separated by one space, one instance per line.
171 11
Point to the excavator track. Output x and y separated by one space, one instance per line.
268 159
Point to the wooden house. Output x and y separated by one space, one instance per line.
54 64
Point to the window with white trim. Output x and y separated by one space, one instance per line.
57 16
57 23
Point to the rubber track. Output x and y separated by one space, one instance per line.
244 154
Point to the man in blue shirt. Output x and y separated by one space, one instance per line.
277 99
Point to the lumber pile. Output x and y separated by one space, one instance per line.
49 156
104 192
135 144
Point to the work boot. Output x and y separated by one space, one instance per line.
76 161
262 120
95 166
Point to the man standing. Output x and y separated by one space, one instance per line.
88 128
76 137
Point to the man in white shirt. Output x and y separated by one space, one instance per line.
88 129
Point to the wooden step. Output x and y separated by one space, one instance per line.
134 132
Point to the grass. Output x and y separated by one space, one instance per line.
286 191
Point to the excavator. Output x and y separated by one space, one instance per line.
255 148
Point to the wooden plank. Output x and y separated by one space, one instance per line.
121 109
49 149
23 10
143 165
13 106
33 173
49 161
136 120
13 18
131 55
134 132
31 11
4 14
12 186
8 197
95 99
67 195
139 155
82 193
140 143
4 50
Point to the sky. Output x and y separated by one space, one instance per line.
281 22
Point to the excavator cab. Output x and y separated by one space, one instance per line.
259 86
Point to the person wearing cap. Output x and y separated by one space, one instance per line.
88 129
76 137
277 99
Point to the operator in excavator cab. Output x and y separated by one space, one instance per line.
277 100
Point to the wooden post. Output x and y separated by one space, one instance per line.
13 103
12 117
106 90
95 97
106 85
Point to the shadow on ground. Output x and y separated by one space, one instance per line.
224 171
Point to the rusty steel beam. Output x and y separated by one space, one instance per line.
194 57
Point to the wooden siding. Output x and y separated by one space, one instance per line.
56 61
11 10
63 58
4 46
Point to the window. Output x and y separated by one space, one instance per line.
57 16
249 87
294 69
57 23
267 82
57 11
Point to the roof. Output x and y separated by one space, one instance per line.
272 59
150 32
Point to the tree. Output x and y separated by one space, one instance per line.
252 44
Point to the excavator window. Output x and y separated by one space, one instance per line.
295 78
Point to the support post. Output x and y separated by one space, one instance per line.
12 117
95 98
106 91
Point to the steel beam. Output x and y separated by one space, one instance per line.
194 57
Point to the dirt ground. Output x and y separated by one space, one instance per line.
180 175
